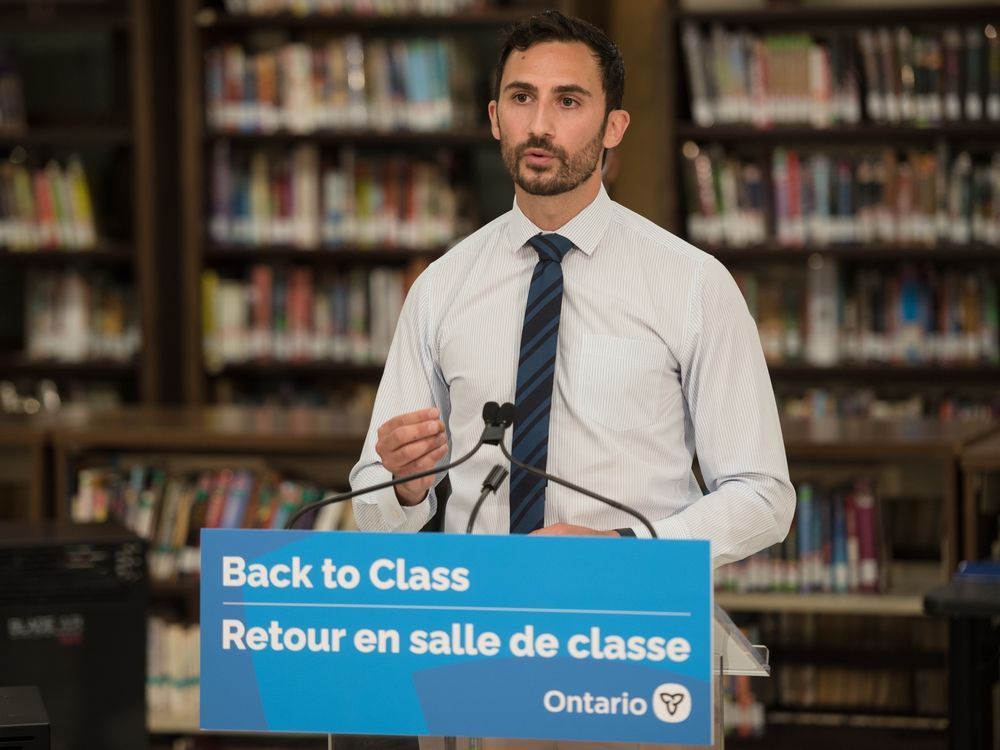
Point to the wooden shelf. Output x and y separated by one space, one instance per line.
67 135
855 716
857 657
485 20
457 137
875 252
311 431
299 369
893 605
14 17
831 731
109 254
886 372
241 255
983 455
851 16
877 134
86 369
857 439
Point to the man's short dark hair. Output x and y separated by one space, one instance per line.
553 26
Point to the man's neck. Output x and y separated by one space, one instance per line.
549 212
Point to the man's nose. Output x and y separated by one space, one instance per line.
541 122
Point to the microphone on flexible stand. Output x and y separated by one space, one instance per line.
502 418
507 410
490 415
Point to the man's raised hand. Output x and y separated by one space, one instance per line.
410 443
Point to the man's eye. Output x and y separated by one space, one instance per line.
568 102
520 98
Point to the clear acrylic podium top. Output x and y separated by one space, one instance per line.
732 653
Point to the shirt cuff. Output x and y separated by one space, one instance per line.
668 528
671 528
397 517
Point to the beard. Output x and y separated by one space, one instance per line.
572 169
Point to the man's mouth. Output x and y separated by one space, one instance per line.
538 156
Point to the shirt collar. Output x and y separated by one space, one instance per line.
584 230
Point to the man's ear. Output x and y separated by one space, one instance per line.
618 120
491 108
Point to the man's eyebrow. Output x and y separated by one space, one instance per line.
572 88
521 85
566 88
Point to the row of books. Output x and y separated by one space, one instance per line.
299 315
743 712
45 208
821 198
356 400
27 394
173 672
834 687
910 690
74 316
12 115
170 505
794 402
299 198
867 403
420 84
740 77
353 7
900 76
905 315
833 546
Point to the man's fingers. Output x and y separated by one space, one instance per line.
568 529
393 440
410 418
423 463
412 451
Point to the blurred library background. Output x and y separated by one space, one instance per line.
210 214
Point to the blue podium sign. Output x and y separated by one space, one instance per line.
573 638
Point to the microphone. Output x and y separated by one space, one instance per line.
490 413
503 417
575 487
491 484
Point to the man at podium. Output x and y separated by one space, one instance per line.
624 349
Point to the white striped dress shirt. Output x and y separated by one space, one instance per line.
658 359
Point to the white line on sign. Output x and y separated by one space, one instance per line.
640 613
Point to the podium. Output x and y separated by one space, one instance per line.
733 655
584 642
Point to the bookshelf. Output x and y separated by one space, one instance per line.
914 466
360 146
56 52
831 686
308 443
923 87
224 431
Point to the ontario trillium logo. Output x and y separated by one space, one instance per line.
671 702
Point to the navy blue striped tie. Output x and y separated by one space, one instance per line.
535 376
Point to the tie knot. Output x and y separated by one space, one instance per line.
551 246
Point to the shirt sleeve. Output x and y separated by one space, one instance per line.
736 430
411 380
